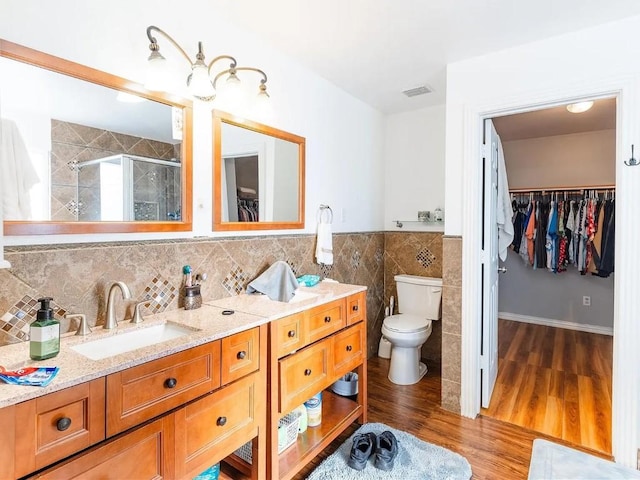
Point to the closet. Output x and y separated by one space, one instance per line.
556 298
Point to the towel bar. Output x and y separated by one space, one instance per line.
321 211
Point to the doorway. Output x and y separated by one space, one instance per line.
555 326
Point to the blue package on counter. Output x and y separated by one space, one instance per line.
308 280
30 376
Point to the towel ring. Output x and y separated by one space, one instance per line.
324 208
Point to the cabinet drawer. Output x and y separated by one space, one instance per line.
148 390
240 355
325 319
59 424
356 308
348 349
214 426
288 334
303 375
139 454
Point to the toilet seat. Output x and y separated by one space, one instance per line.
406 323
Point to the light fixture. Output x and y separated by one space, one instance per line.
199 80
580 106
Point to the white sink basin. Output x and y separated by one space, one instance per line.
301 296
128 341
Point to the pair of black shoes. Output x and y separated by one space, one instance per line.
383 446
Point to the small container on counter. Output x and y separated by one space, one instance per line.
314 410
192 297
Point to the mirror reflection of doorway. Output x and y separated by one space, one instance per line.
243 189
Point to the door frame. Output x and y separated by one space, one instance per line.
626 355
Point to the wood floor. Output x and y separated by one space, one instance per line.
495 449
555 381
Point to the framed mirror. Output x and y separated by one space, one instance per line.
84 151
258 174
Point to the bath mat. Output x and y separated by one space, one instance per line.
416 460
550 461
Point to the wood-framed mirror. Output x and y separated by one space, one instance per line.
258 176
85 151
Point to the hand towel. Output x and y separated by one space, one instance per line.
504 209
278 282
324 244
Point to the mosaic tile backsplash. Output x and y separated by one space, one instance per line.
78 276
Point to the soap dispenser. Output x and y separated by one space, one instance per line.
44 333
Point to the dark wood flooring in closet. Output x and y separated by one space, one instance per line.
555 381
495 449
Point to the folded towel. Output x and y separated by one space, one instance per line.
324 244
278 282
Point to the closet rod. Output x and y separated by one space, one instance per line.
562 189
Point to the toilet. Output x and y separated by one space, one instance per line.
419 300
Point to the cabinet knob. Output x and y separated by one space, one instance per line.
291 333
170 382
354 308
349 348
241 355
307 372
63 424
221 422
327 319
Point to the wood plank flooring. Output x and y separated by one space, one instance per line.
495 449
555 381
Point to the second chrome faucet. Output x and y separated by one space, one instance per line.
110 317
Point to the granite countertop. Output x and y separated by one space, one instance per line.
208 324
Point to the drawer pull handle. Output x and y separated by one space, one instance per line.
307 372
327 319
291 333
170 382
349 348
355 308
241 355
222 421
63 424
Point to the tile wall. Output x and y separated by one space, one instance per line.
78 277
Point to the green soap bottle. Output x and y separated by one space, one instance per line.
44 333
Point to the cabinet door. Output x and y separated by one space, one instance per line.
287 334
137 455
325 319
348 349
214 426
356 308
303 375
59 424
153 388
240 355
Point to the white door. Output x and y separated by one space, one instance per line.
489 346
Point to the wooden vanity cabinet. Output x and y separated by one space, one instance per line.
155 428
326 349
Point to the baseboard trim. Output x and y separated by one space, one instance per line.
550 322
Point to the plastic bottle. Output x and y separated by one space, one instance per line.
44 333
314 410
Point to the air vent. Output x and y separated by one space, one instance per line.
414 92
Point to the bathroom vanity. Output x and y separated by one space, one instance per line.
172 409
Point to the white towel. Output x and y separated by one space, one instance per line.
324 244
505 210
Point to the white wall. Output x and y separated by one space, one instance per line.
344 156
414 165
604 60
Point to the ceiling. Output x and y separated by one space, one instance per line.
375 49
557 121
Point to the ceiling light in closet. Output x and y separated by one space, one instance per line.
580 106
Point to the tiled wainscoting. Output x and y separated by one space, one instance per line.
78 276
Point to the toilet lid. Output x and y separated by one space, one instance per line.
405 322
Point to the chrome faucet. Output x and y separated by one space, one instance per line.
111 321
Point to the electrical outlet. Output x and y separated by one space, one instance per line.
586 301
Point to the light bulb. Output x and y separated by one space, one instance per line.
199 82
156 74
579 107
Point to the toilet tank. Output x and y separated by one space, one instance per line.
419 295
